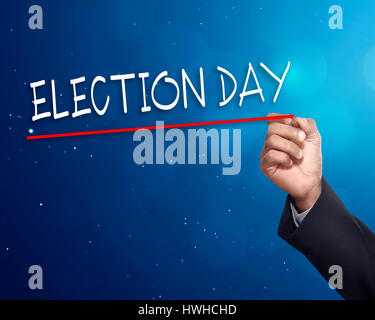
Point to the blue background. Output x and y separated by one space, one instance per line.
103 227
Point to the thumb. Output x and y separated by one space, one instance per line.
309 127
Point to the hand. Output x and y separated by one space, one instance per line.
291 158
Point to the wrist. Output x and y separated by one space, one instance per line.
309 199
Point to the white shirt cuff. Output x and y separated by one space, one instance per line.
298 217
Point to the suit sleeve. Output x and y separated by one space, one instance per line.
329 235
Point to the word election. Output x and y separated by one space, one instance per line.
122 78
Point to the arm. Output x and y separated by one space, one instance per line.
328 235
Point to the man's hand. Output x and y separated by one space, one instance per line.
291 158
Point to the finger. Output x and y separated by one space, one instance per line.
287 132
309 127
286 121
295 123
281 144
274 157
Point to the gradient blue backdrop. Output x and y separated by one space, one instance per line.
103 227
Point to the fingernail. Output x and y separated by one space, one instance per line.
300 154
301 135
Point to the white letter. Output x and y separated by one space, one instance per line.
36 20
280 81
336 21
99 112
146 146
225 101
36 280
159 142
55 114
185 78
177 146
123 77
226 159
168 80
144 75
202 136
255 91
38 101
335 281
76 98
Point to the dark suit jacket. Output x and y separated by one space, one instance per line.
330 235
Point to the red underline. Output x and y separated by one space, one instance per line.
166 126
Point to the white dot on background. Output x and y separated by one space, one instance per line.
31 131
